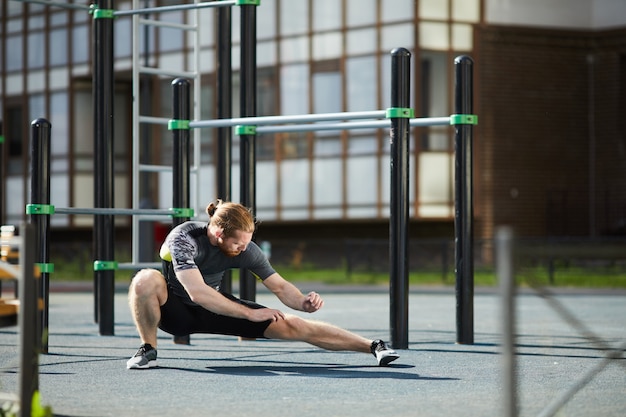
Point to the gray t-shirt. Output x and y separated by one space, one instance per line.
188 247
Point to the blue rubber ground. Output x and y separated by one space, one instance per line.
84 373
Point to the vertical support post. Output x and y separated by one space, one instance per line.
40 194
224 111
181 157
2 175
463 208
103 90
506 277
28 323
399 215
247 282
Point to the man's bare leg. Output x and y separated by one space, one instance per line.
323 335
146 295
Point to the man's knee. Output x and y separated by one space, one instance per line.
291 328
147 282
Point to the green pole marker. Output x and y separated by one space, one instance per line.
101 13
39 209
400 112
182 212
175 124
463 119
45 268
104 265
248 2
242 130
1 139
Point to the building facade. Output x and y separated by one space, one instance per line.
550 88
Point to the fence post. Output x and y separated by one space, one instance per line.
104 227
180 162
28 323
463 212
399 113
506 277
40 194
247 282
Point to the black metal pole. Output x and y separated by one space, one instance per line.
40 194
463 213
399 201
27 320
103 237
224 111
247 282
181 158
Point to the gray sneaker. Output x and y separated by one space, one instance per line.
383 353
146 357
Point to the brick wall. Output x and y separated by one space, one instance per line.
547 147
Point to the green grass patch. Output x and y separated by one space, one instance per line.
606 277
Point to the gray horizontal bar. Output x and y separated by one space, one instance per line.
167 73
155 168
58 4
430 121
139 265
154 120
302 118
168 25
117 211
375 124
174 8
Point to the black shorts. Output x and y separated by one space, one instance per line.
180 319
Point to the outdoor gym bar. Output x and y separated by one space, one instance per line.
399 119
177 7
374 124
300 118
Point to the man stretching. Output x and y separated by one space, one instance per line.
185 298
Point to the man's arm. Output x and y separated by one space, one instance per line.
291 296
212 300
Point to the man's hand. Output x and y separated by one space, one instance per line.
263 314
312 302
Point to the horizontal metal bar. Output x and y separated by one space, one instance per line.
174 8
139 265
57 4
430 121
155 168
167 73
302 118
113 211
193 169
154 120
374 124
165 24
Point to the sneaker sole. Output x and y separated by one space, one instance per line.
387 360
150 364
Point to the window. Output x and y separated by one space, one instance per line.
361 83
326 14
58 47
36 50
293 17
14 53
361 12
80 44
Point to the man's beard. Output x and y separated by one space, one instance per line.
229 253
